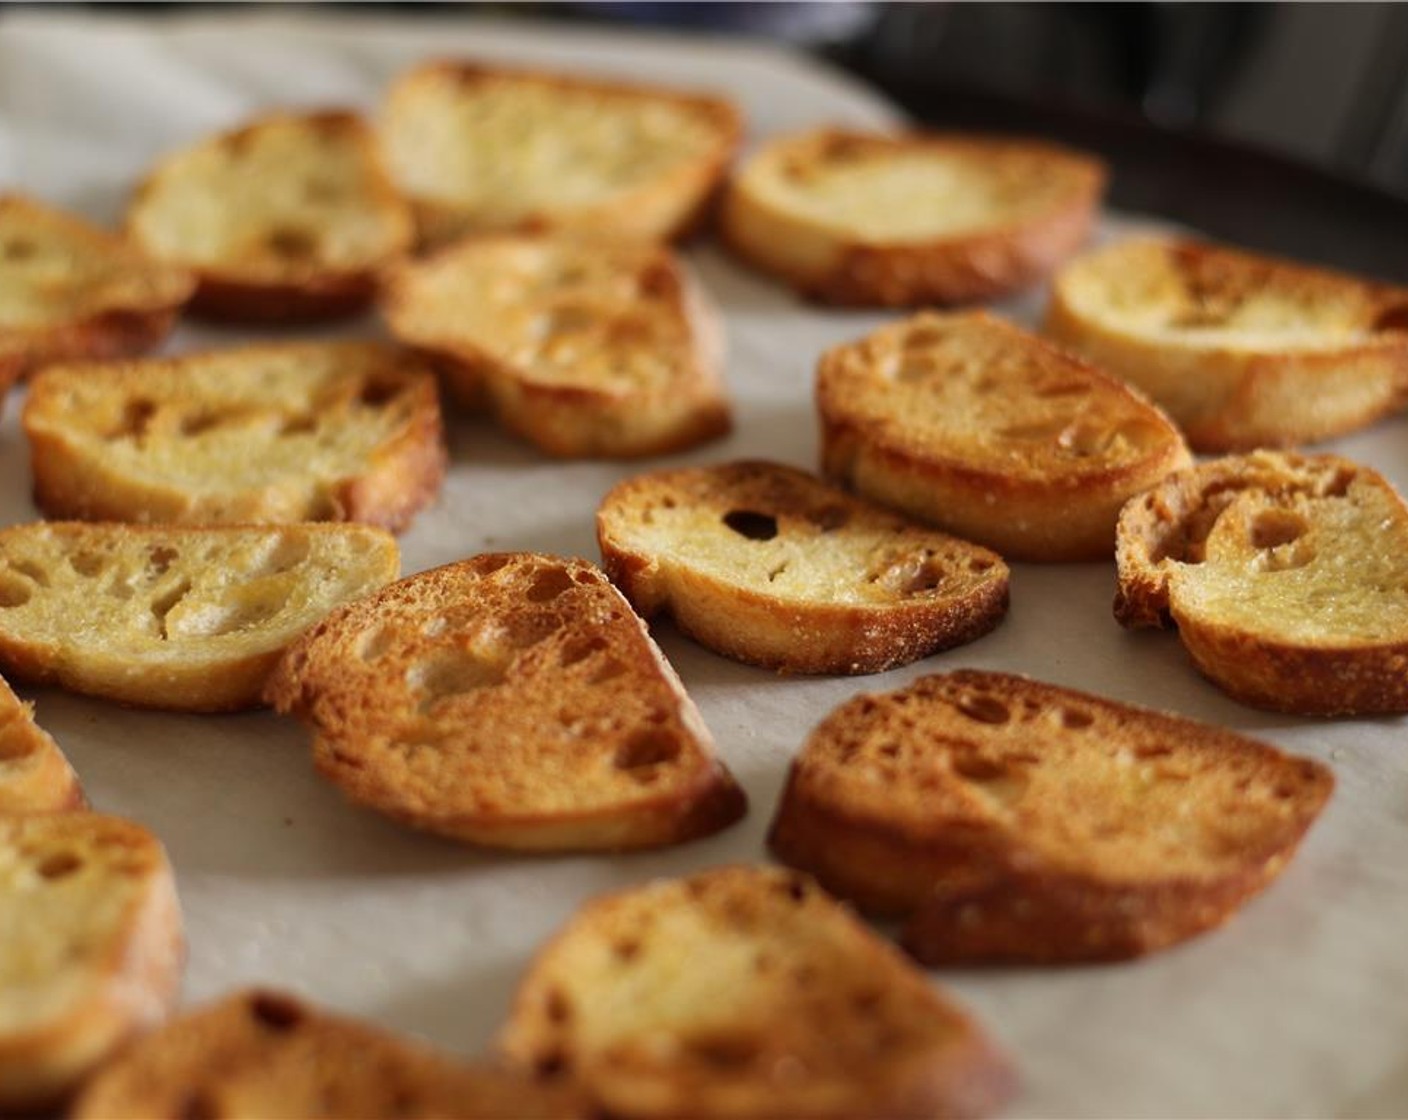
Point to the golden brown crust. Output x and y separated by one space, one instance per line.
966 422
1009 820
100 297
173 618
660 207
1284 576
745 992
826 257
1243 350
94 954
346 431
510 700
35 777
585 347
845 588
265 1053
290 246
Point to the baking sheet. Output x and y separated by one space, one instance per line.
1295 1009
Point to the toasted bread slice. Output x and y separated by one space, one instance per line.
1286 575
71 290
286 218
482 148
509 700
971 424
900 221
1011 820
585 347
745 992
765 564
300 432
1243 351
187 619
91 950
258 1054
35 777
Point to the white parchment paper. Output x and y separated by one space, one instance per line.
1297 1008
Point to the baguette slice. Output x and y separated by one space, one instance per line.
35 777
297 432
585 347
480 148
1286 575
968 423
258 1054
765 564
509 700
186 619
745 992
71 290
1243 351
286 218
1014 821
91 950
899 221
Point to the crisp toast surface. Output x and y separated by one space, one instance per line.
71 290
1286 575
35 777
1243 350
286 218
868 219
969 423
1014 821
187 619
588 348
275 432
510 700
745 992
766 564
482 148
258 1054
91 948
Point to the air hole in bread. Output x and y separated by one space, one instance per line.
548 584
342 758
558 1007
164 604
292 242
983 708
59 865
160 558
794 888
980 564
375 642
136 418
18 249
580 648
777 571
552 1065
1273 528
452 674
201 422
298 425
284 554
86 563
1055 389
647 749
196 1106
1155 751
1074 719
626 949
1392 319
976 768
608 670
275 1013
751 524
376 393
830 518
923 338
1083 439
1036 430
722 1052
33 571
